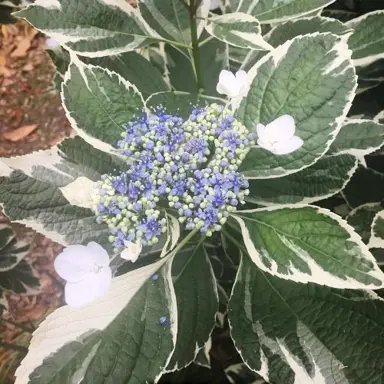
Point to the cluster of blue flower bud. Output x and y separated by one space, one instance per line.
187 168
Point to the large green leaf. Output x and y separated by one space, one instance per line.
361 219
308 244
170 18
214 58
367 41
98 102
89 27
292 28
283 32
310 78
70 360
238 29
197 304
42 206
15 273
135 344
134 68
306 333
269 11
359 138
321 180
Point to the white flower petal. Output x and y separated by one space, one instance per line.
281 129
289 146
265 145
227 84
260 129
132 251
93 286
243 83
74 263
99 254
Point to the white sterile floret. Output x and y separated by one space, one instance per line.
132 251
86 271
278 136
233 85
52 44
214 4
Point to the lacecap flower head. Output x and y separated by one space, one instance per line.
187 168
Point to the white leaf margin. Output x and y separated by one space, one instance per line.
375 241
318 275
63 38
306 199
96 143
254 41
208 343
66 324
173 234
48 159
358 152
364 61
283 18
278 54
279 346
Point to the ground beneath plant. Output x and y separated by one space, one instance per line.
31 119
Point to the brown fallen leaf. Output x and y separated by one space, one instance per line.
28 67
20 133
22 48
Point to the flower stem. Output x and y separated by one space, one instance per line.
196 49
185 241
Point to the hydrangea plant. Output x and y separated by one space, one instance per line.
209 137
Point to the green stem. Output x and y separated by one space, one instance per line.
196 51
22 327
185 241
15 347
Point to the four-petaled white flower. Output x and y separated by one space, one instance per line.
214 4
132 251
87 272
234 86
278 136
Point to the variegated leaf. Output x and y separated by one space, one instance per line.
98 102
304 333
197 303
367 41
170 18
321 180
358 138
238 29
310 78
129 320
361 219
377 232
271 11
308 244
90 27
